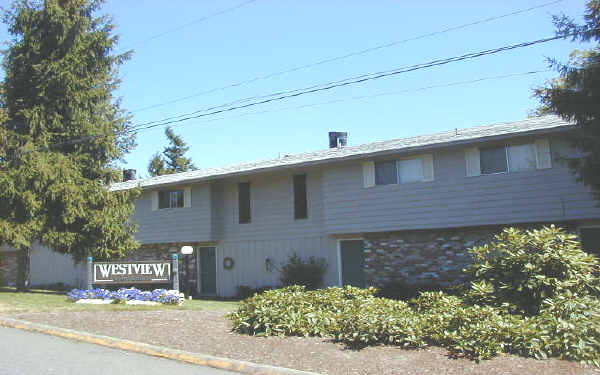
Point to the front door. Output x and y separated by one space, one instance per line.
207 270
352 262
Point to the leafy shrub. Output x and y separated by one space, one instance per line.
244 291
520 269
404 290
567 327
295 311
307 273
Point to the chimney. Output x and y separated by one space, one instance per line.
128 174
338 139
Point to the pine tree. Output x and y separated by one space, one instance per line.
156 167
172 159
62 133
575 94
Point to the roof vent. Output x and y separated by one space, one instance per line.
338 139
128 174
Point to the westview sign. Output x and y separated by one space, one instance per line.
132 273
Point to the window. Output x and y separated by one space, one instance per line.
410 170
399 171
386 173
521 157
300 197
170 199
590 239
493 160
244 202
502 159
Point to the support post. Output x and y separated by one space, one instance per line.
90 277
176 272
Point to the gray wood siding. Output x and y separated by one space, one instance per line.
272 208
249 257
175 224
452 199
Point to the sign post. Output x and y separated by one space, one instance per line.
176 272
89 265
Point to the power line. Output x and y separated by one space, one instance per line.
345 82
361 97
386 93
348 55
201 19
329 86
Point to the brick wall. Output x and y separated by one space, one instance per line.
425 256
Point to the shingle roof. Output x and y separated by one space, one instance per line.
448 138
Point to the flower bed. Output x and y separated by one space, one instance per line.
164 296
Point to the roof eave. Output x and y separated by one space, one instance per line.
404 150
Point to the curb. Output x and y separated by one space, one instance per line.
153 350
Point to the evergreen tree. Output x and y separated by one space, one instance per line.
62 132
172 159
575 94
156 167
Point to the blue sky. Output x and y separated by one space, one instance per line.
266 36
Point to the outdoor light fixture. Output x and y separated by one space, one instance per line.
187 250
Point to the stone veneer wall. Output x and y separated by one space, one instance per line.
165 251
8 268
425 256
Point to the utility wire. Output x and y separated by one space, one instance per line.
201 19
329 86
386 93
348 55
345 82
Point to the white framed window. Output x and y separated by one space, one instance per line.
503 159
175 198
404 170
170 199
508 158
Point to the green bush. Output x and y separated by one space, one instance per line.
533 294
404 290
567 327
295 311
520 269
308 273
244 291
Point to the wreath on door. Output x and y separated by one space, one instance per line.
228 263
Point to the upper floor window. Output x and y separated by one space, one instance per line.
170 199
403 171
300 197
244 202
502 159
508 158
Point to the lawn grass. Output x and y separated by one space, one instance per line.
34 301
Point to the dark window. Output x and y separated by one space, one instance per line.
170 199
590 240
300 197
493 160
244 201
386 173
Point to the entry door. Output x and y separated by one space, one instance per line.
207 270
352 262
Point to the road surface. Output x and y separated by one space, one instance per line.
27 353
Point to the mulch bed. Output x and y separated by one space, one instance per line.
209 332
